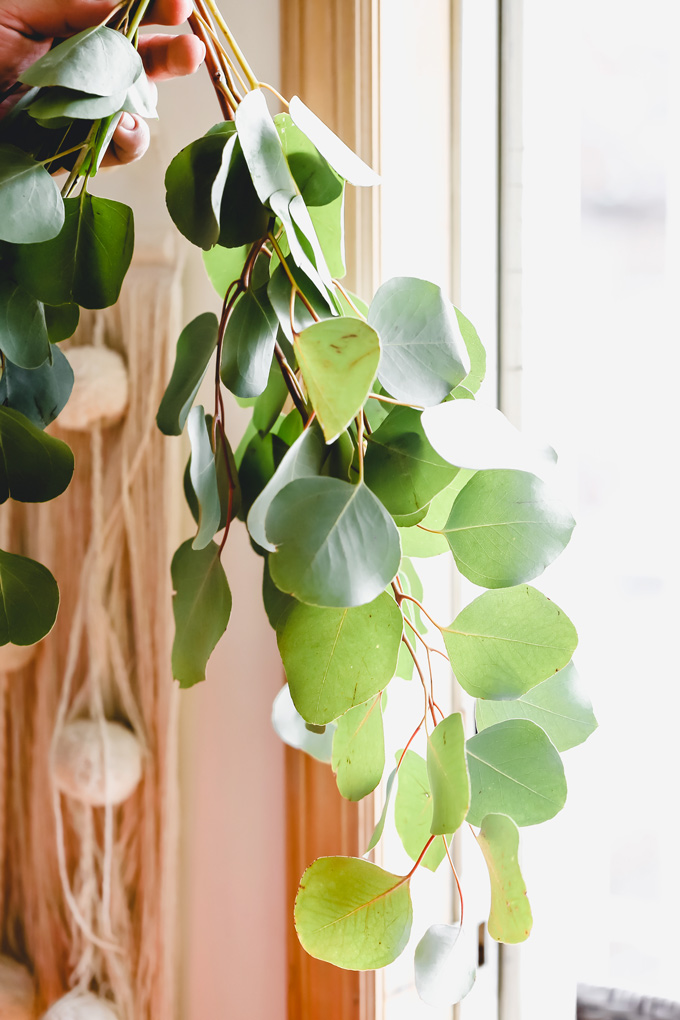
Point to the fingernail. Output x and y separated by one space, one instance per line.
127 122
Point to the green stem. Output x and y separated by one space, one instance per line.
137 19
245 66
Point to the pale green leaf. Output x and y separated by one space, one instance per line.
338 359
302 460
515 770
510 918
31 206
339 155
224 266
413 812
423 353
291 728
262 149
62 102
359 750
560 706
352 914
448 775
380 827
445 965
338 658
507 641
99 61
506 528
479 437
336 545
476 353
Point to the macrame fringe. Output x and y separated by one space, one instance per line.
87 893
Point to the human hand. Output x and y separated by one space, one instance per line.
28 28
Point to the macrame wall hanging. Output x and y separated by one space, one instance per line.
87 718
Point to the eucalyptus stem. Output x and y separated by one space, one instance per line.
224 28
137 18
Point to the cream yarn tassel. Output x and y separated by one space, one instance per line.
90 818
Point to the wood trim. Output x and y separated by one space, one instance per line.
329 58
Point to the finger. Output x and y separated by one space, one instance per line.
171 56
168 12
130 141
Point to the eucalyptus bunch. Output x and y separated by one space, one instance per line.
365 449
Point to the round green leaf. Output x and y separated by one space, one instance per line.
338 359
23 330
505 528
87 262
291 728
224 266
31 206
402 469
352 914
188 187
248 346
39 393
329 226
339 155
419 543
201 605
515 770
99 60
359 750
336 545
29 600
195 347
510 918
34 467
62 321
303 460
338 658
507 641
559 705
413 812
445 965
448 775
423 353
